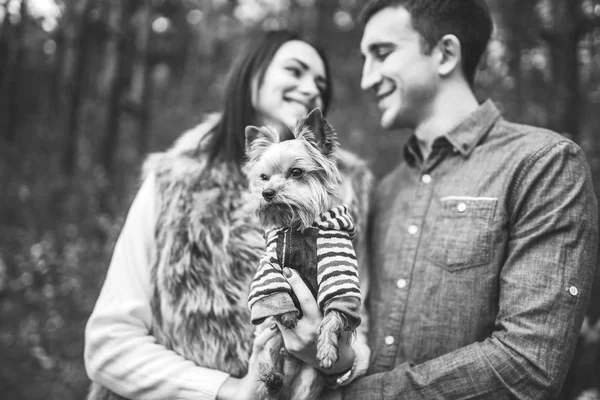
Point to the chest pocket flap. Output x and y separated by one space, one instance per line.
462 232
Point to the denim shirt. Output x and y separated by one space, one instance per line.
483 259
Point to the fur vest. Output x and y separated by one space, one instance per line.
208 248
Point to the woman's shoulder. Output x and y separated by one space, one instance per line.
355 168
188 154
357 185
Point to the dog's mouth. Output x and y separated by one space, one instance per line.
277 214
272 206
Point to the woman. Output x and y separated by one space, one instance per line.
172 320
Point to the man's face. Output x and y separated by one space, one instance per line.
402 78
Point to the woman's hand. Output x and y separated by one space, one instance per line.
301 341
247 387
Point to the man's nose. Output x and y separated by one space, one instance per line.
370 76
268 194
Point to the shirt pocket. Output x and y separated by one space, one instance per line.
462 232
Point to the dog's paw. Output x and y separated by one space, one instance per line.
273 381
288 320
327 355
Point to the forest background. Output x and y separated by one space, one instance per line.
89 87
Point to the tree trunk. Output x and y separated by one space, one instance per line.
564 44
77 86
111 132
514 40
57 72
324 20
4 28
13 74
146 92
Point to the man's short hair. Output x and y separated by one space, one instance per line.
469 20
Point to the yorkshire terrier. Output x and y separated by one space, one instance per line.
293 184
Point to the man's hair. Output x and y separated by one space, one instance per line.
469 20
227 141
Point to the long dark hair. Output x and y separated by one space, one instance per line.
227 142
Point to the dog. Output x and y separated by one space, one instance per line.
293 185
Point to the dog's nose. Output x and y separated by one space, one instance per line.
268 194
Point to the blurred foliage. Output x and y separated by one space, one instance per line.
58 226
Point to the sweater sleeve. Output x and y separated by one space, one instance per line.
120 352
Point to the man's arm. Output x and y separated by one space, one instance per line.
544 289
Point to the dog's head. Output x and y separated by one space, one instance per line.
292 181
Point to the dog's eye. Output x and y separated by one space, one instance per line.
264 177
296 172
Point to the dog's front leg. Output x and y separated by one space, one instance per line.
329 332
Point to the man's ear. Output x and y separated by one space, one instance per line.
451 56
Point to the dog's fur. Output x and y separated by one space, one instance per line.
204 235
292 183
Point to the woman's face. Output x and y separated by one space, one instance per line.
291 86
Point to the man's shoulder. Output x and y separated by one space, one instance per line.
526 137
516 142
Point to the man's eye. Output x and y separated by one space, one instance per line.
382 54
296 172
264 177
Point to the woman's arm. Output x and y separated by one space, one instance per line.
120 352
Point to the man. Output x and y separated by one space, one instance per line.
484 237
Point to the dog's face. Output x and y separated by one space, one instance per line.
292 181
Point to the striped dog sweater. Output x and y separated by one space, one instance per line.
324 257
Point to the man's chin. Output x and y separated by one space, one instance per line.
387 120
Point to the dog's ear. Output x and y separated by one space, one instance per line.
317 131
258 139
252 133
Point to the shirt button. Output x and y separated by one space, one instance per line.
426 179
389 340
401 283
574 291
413 229
461 207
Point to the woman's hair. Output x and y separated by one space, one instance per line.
227 142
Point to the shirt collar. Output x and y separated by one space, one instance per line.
464 137
412 153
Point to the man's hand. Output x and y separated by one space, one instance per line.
301 341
